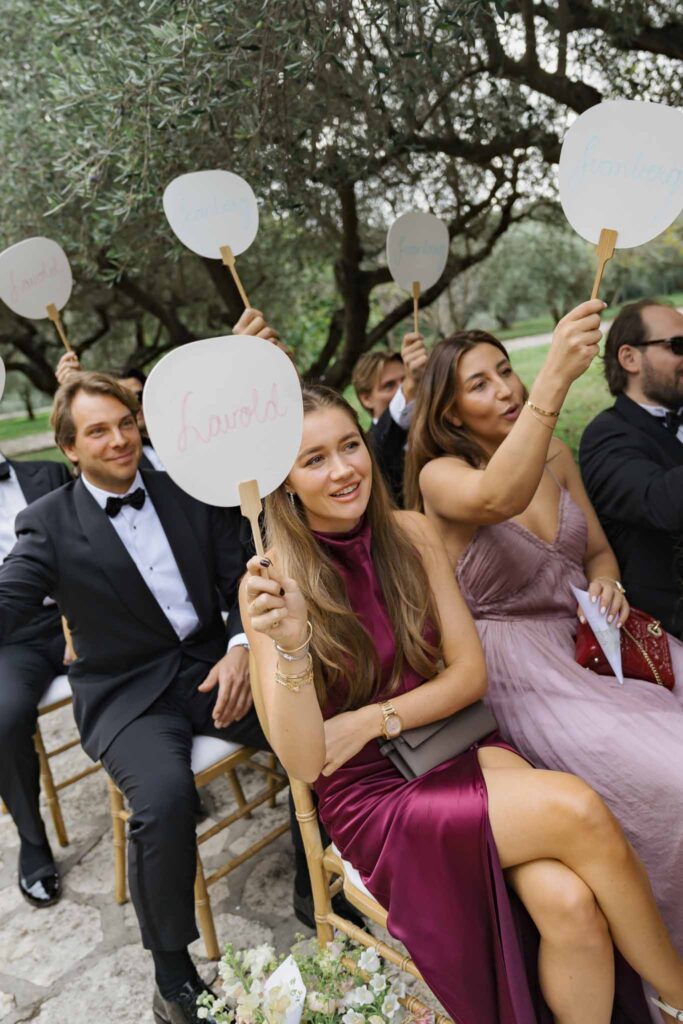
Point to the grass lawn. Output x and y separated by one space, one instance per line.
587 397
21 426
545 324
51 454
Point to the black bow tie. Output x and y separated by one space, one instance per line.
4 470
114 505
673 420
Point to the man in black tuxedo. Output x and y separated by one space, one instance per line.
30 658
136 566
632 457
386 384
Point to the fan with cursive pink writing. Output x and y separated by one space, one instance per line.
36 281
224 413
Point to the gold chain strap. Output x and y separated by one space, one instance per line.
646 656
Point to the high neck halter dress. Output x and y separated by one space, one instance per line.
425 851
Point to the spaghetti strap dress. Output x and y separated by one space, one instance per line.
425 850
626 740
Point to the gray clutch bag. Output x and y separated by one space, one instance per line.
416 751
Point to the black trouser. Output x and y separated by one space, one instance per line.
26 671
150 762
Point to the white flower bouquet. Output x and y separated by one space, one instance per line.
334 985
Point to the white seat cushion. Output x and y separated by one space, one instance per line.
58 689
352 875
207 750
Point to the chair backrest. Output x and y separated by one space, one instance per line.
306 814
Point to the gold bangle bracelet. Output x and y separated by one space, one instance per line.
294 683
294 650
543 412
549 426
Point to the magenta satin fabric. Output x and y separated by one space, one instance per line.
425 851
424 848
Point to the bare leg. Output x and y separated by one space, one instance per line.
576 956
536 815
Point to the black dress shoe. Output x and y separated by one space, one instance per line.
304 912
42 891
182 1009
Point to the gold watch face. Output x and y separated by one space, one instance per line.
393 726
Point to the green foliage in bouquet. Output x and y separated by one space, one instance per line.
342 985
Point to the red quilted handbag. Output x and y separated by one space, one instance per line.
645 650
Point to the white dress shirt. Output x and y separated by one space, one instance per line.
146 542
401 411
12 502
659 411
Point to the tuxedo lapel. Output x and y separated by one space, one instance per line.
182 538
111 558
650 425
33 480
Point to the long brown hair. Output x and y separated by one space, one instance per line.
432 434
341 648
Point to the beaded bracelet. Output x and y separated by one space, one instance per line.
295 682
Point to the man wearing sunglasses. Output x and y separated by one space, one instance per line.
632 457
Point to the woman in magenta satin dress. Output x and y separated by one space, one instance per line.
388 623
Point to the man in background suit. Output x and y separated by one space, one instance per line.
386 384
29 660
136 565
632 457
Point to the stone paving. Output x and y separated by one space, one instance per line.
82 960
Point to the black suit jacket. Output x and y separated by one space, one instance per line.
35 480
127 650
388 441
633 471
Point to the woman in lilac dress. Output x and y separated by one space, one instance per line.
507 498
387 624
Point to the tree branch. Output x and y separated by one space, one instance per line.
666 39
335 333
574 94
221 278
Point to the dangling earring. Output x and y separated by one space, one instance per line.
292 497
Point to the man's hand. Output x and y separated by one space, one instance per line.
234 699
414 356
68 364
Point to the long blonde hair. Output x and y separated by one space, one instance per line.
341 647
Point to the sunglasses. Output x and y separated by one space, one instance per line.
675 345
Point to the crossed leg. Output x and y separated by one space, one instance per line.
538 816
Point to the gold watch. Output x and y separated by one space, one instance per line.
392 726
